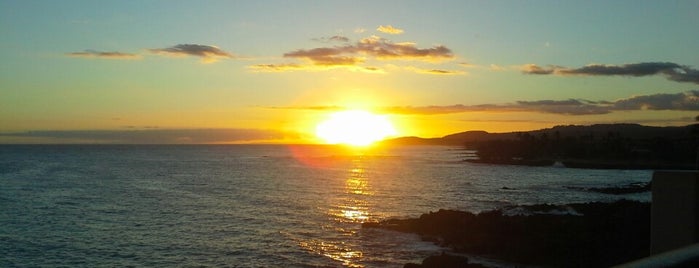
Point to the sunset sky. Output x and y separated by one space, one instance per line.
271 71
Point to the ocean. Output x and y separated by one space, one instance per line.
253 205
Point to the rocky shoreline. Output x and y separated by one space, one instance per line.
632 188
573 235
590 163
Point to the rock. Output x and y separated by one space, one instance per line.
444 261
597 235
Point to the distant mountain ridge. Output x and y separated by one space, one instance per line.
634 131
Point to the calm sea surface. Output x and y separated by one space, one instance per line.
251 205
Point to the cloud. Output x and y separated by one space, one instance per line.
536 69
209 54
276 67
685 101
389 29
114 55
339 38
467 65
434 109
155 136
440 71
382 48
435 71
373 46
325 56
672 71
353 56
362 55
334 38
310 108
569 107
496 68
490 67
286 67
424 110
372 70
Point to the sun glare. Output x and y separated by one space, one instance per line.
354 127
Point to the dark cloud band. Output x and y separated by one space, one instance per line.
686 101
156 136
672 71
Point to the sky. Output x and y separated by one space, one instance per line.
271 71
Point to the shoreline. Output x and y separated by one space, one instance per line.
574 235
589 164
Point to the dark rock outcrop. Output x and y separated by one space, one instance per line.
606 234
444 261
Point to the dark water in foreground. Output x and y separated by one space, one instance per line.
251 205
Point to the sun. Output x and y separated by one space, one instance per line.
354 127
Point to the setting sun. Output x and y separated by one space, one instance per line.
354 127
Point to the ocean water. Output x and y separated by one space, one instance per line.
252 205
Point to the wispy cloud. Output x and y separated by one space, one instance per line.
283 67
112 55
467 65
286 67
310 108
209 54
569 107
434 71
389 29
536 69
440 71
334 38
672 71
686 101
496 68
156 136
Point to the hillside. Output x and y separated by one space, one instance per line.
632 131
607 146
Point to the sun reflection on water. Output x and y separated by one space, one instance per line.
353 214
354 206
336 252
350 207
